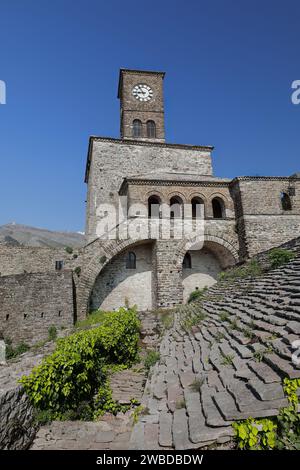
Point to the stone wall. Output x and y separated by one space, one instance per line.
21 259
31 303
261 221
116 284
263 256
264 232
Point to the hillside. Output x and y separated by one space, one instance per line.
15 234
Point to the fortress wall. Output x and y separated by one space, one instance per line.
31 303
21 259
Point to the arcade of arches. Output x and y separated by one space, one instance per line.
130 275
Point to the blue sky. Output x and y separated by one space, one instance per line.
229 67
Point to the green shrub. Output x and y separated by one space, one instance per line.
77 368
151 359
193 319
280 432
196 294
257 434
43 417
251 269
69 250
280 256
13 352
52 333
93 318
165 317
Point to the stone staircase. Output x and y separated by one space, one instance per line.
227 365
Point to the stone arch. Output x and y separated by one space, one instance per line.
194 194
223 252
220 195
179 194
228 246
103 251
152 192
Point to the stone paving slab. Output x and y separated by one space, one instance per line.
111 432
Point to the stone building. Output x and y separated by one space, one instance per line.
144 178
159 223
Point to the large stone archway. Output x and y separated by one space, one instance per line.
167 265
95 257
128 279
169 258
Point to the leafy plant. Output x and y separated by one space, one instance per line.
280 432
151 359
196 294
136 413
93 318
69 250
166 317
280 256
13 352
77 368
103 259
104 403
193 319
251 269
257 434
52 333
43 417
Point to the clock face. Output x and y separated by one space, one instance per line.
142 92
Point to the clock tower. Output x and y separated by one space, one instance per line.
141 105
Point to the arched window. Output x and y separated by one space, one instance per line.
153 207
197 208
218 208
151 129
131 260
176 207
137 128
286 202
187 261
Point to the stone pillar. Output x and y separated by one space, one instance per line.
169 287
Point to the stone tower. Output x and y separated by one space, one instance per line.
141 105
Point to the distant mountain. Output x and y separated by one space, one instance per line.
22 235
